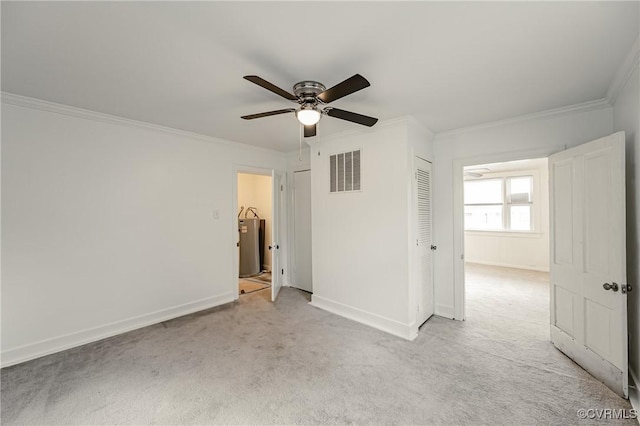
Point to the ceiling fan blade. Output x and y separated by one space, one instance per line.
267 114
347 87
309 130
351 116
271 87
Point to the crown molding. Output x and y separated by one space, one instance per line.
405 119
550 113
39 104
624 72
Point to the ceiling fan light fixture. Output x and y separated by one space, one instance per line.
308 116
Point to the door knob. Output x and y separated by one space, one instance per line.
608 286
434 247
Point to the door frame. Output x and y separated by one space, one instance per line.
276 214
459 311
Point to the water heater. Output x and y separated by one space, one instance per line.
249 230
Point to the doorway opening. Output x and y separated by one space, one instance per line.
255 227
506 245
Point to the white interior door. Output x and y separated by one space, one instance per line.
424 239
588 258
277 191
302 230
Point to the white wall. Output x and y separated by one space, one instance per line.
361 266
626 116
255 191
524 250
108 225
529 137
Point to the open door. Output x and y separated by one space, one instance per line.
588 258
277 191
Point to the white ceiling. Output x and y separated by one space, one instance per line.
180 64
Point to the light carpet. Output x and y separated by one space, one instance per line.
257 362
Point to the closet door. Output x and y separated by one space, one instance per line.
302 230
424 239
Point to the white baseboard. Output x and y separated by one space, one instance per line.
56 344
372 320
445 311
634 392
509 265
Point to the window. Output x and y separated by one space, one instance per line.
520 200
499 204
483 201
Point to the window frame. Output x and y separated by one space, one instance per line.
534 204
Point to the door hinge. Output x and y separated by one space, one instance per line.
282 271
626 288
281 188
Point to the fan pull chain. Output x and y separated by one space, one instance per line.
318 131
300 150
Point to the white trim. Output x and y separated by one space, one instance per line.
78 338
634 392
550 113
445 311
508 265
624 72
38 104
503 233
406 331
317 141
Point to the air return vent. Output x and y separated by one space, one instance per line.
344 172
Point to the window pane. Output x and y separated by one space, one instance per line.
520 189
485 191
520 218
483 217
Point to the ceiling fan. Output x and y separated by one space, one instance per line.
311 96
476 173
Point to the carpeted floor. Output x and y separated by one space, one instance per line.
254 362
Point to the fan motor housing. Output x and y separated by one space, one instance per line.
307 91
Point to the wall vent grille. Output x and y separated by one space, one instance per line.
344 172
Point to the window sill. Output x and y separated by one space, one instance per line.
502 233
